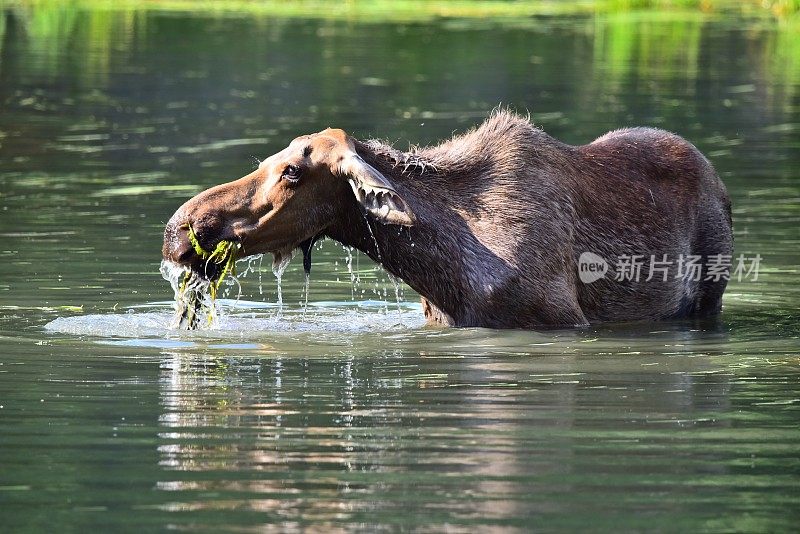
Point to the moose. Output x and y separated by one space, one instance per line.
490 226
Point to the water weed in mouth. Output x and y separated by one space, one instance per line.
195 291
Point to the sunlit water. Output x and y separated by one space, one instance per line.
244 320
352 413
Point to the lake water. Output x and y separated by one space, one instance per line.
350 413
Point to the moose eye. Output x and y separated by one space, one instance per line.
291 173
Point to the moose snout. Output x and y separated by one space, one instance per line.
177 247
190 229
216 214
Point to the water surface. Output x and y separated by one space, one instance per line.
351 413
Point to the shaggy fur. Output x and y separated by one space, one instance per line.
489 225
505 211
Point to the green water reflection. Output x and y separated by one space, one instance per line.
354 415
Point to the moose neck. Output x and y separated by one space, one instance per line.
417 256
440 257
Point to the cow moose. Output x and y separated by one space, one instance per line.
490 227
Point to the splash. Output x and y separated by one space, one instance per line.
193 299
195 294
196 298
246 322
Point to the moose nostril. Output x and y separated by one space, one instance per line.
186 255
177 246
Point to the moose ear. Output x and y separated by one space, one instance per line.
374 192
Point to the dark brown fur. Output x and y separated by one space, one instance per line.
511 210
504 211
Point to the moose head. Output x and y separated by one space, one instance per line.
286 203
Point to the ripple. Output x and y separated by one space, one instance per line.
141 326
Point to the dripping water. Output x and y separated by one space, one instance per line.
306 287
397 296
278 267
231 281
358 267
260 282
349 262
374 240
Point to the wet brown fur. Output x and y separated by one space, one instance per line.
504 211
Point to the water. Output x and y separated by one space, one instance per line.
355 415
278 268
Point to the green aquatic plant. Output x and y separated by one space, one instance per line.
195 296
223 255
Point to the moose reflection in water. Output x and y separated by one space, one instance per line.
339 426
488 226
